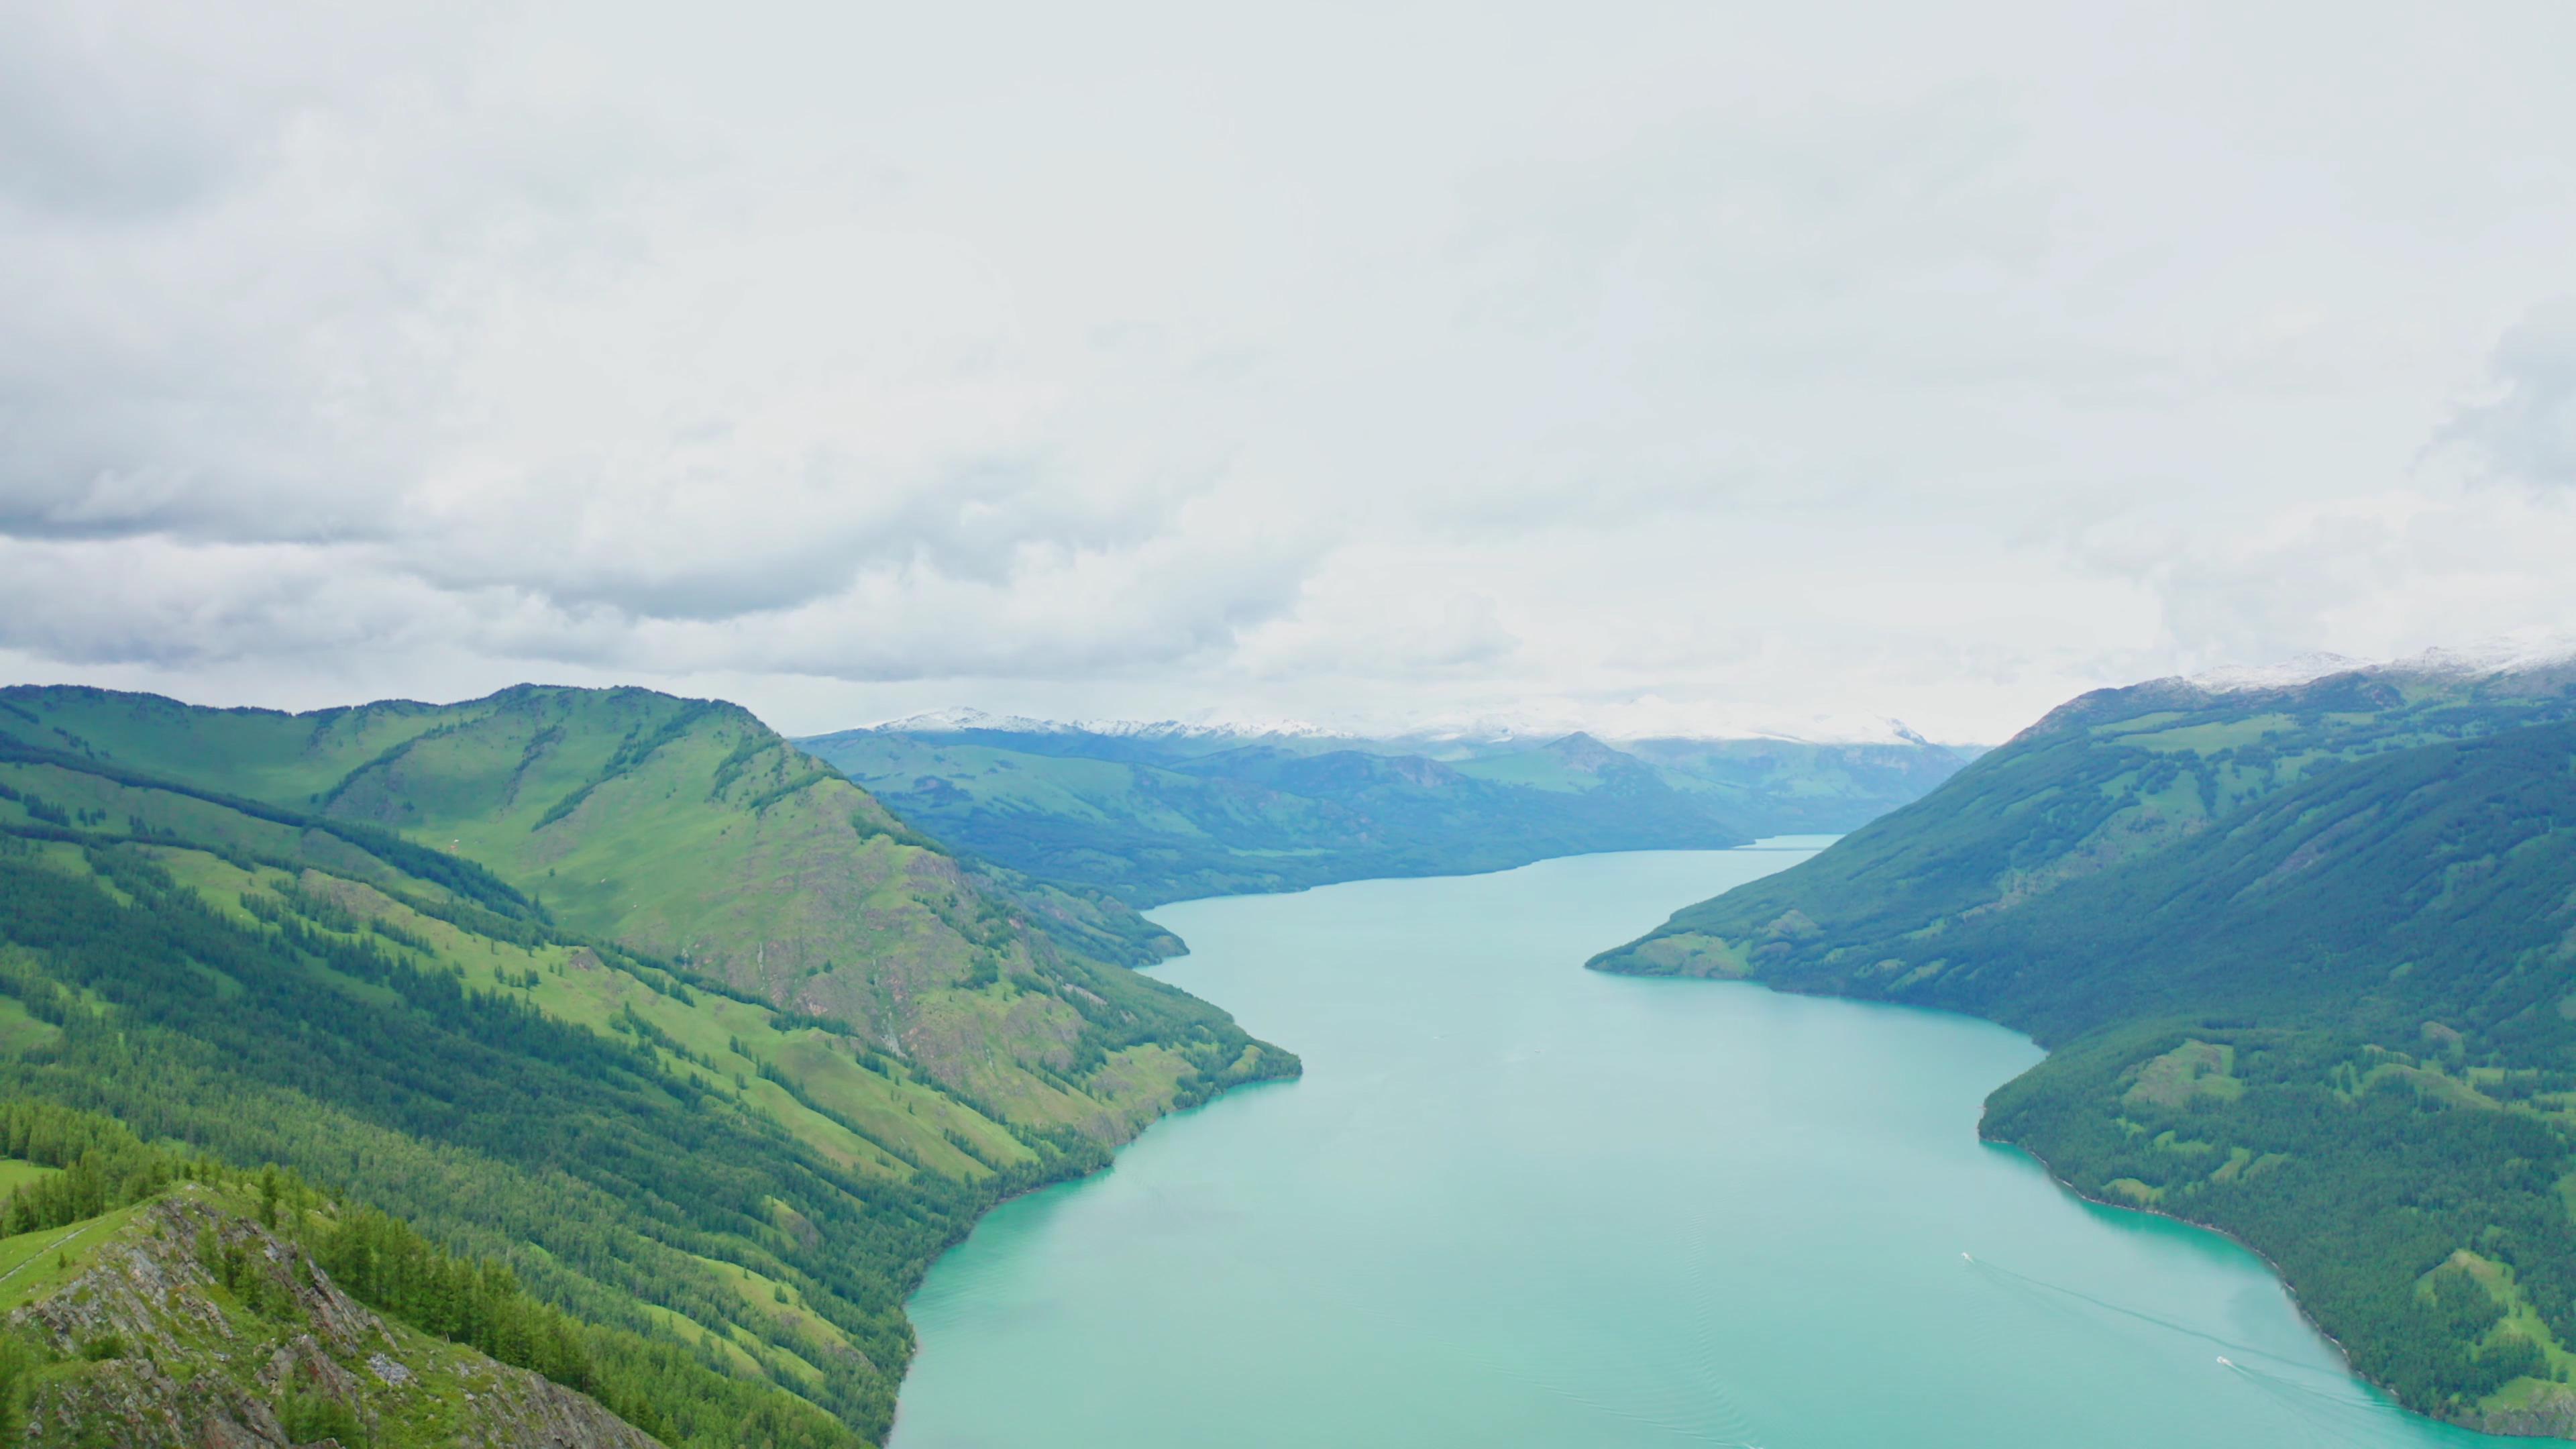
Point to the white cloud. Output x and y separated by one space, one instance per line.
1152 359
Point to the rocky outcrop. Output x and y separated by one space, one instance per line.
192 1327
2550 1413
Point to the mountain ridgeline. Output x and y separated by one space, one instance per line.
615 993
1164 813
2306 960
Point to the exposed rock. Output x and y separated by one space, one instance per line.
2549 1414
156 1352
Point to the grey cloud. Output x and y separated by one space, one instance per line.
84 135
156 602
122 112
181 606
2526 431
716 546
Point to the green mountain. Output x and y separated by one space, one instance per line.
1159 813
616 989
2305 958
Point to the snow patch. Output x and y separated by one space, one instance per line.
2304 669
2522 652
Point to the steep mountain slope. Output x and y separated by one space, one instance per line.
2115 776
2304 957
751 1156
1158 814
683 829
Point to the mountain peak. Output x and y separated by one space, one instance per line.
2525 651
966 717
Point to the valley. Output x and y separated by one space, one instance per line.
1512 1203
698 1055
1152 813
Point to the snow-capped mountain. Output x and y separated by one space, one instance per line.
964 717
2524 652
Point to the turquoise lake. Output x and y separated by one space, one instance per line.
1516 1203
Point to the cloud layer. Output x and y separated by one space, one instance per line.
1344 363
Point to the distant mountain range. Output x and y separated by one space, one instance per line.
2302 943
1634 721
1154 812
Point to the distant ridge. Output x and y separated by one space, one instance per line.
1645 719
960 719
1163 810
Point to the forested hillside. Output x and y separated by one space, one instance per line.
1155 814
616 989
2306 961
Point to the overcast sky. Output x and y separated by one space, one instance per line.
1757 362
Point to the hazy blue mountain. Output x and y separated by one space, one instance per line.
1160 812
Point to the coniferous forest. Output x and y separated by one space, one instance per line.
672 1186
2305 960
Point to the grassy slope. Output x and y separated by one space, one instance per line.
2303 960
894 1019
1153 820
687 830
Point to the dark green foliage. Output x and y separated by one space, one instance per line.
104 1165
18 1364
658 1387
311 1418
2367 1196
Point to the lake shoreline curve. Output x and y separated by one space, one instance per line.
2554 1419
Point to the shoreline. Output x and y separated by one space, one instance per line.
2279 1276
1108 1163
2028 1057
2289 1290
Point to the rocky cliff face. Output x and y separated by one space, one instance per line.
190 1327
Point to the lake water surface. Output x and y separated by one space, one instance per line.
1516 1203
